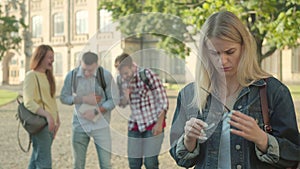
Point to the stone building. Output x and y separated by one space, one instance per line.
74 26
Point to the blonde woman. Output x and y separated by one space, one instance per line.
218 121
41 75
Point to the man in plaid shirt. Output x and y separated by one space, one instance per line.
149 105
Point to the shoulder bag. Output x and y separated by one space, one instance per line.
31 122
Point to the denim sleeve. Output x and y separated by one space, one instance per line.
183 153
66 96
111 93
272 154
178 151
283 122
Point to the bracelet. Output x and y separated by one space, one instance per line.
96 112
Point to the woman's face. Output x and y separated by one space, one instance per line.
47 61
225 55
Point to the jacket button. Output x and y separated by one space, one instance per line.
238 167
237 147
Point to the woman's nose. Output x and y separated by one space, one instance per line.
223 58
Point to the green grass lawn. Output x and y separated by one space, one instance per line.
7 96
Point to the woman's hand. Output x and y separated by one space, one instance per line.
56 127
248 128
193 130
51 123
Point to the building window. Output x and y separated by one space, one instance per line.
58 64
37 26
105 20
296 60
58 20
82 22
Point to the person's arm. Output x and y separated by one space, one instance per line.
178 151
30 93
159 92
66 95
111 93
284 142
158 127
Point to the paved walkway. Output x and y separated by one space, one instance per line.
62 150
62 154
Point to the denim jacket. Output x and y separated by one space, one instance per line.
283 143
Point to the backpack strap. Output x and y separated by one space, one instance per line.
101 80
74 79
100 77
264 107
144 78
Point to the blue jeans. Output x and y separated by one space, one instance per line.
41 150
143 146
102 141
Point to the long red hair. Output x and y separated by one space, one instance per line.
37 59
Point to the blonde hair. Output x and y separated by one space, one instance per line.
225 25
36 61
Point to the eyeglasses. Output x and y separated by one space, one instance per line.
211 125
228 110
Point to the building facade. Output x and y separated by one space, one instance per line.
72 27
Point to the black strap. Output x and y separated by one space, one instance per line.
18 133
144 78
73 80
264 107
99 77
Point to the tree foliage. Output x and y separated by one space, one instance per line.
9 33
273 23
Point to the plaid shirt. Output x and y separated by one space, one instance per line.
146 104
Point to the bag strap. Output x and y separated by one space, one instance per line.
19 141
144 78
40 91
264 106
100 77
18 133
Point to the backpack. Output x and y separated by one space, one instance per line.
143 76
99 77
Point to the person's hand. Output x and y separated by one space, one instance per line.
89 114
126 93
91 99
194 129
51 123
56 128
157 129
248 128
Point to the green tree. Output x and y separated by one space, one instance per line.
9 32
273 23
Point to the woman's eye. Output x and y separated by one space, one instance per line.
230 52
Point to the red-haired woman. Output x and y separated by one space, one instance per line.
39 97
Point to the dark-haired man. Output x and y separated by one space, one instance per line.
89 87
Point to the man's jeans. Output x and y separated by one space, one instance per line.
143 145
41 152
102 141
